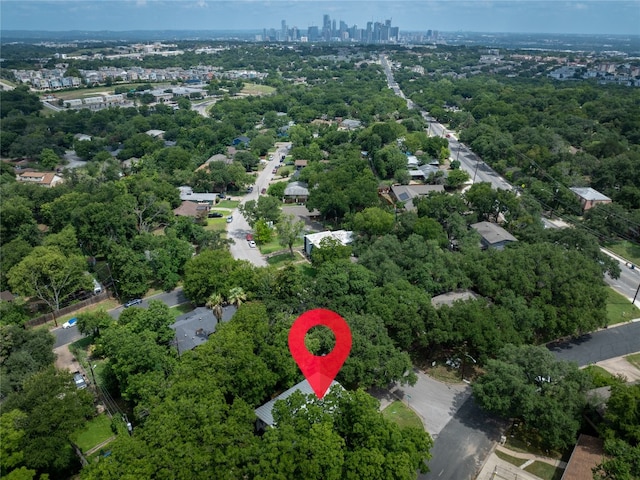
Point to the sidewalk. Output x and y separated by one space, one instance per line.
497 469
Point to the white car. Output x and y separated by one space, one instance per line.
70 323
252 244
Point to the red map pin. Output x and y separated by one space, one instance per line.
320 371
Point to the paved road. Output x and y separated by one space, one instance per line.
436 402
463 444
237 230
628 282
470 162
6 86
202 108
69 335
602 345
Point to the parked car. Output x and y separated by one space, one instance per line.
222 195
250 189
249 237
215 215
263 191
79 380
70 323
275 170
230 219
131 303
252 244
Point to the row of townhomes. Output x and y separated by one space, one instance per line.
55 79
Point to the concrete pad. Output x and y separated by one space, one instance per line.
620 365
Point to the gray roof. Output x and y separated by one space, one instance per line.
186 193
450 297
296 189
193 328
406 193
589 193
493 233
265 412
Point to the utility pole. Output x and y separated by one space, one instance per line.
633 302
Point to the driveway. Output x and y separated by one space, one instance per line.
435 402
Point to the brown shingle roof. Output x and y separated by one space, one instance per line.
587 453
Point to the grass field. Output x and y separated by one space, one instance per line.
255 89
282 259
180 309
509 458
94 433
619 309
544 471
306 270
228 204
628 250
216 224
402 415
99 90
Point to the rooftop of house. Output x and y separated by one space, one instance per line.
493 233
450 297
265 412
296 189
588 193
587 453
193 328
343 236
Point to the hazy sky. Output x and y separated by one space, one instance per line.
542 16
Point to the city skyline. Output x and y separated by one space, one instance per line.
493 16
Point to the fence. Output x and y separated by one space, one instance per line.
34 322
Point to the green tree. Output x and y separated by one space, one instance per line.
266 208
373 221
48 159
207 273
527 382
54 409
236 296
264 232
50 275
289 229
214 302
22 353
457 177
329 250
90 323
249 160
261 144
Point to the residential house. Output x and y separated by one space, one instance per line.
424 172
186 193
265 412
193 328
589 197
192 209
586 455
349 124
241 140
218 157
155 133
406 193
493 235
296 192
300 164
313 240
46 179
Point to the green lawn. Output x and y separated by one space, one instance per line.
544 471
619 309
282 259
227 204
274 246
628 250
255 89
306 270
508 458
402 415
94 432
216 224
634 360
180 309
